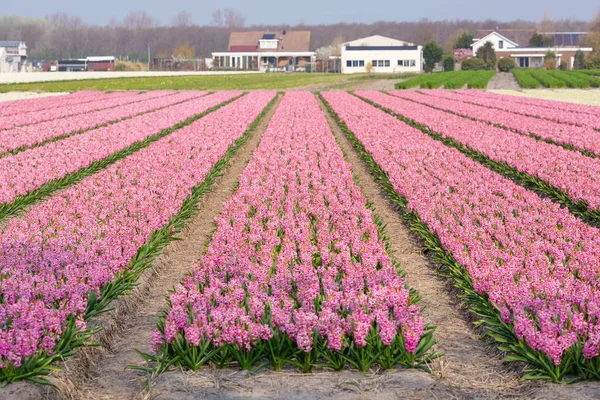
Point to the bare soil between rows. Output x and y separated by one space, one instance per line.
469 368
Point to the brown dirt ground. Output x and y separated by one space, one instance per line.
503 80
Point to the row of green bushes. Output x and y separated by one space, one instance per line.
533 78
450 80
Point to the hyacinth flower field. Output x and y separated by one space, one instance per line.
297 272
283 234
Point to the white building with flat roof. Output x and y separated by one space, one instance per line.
381 54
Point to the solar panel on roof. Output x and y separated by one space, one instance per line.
269 36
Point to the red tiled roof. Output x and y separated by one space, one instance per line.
242 48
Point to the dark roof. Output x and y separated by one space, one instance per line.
9 43
242 49
268 36
522 36
566 38
354 48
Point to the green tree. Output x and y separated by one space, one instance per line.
449 62
579 62
432 54
464 41
539 40
488 55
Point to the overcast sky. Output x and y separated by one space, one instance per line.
308 11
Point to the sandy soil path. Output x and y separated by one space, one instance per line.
503 80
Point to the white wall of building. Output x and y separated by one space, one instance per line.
499 42
378 40
392 59
380 51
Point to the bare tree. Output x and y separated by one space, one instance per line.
546 24
217 18
138 20
183 19
234 18
113 21
336 45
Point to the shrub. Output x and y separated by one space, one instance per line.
563 66
130 66
593 63
506 64
549 65
488 55
579 62
432 54
472 64
550 55
449 63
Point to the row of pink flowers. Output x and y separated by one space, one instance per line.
584 138
45 103
529 101
104 102
30 135
297 241
560 116
77 240
537 263
31 169
567 170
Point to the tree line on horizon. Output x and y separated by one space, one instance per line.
65 36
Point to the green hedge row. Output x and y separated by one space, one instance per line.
449 80
533 78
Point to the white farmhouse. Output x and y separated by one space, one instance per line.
264 50
565 49
13 55
499 42
385 55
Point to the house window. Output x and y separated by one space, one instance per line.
413 63
348 63
524 62
387 63
355 63
501 44
361 63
